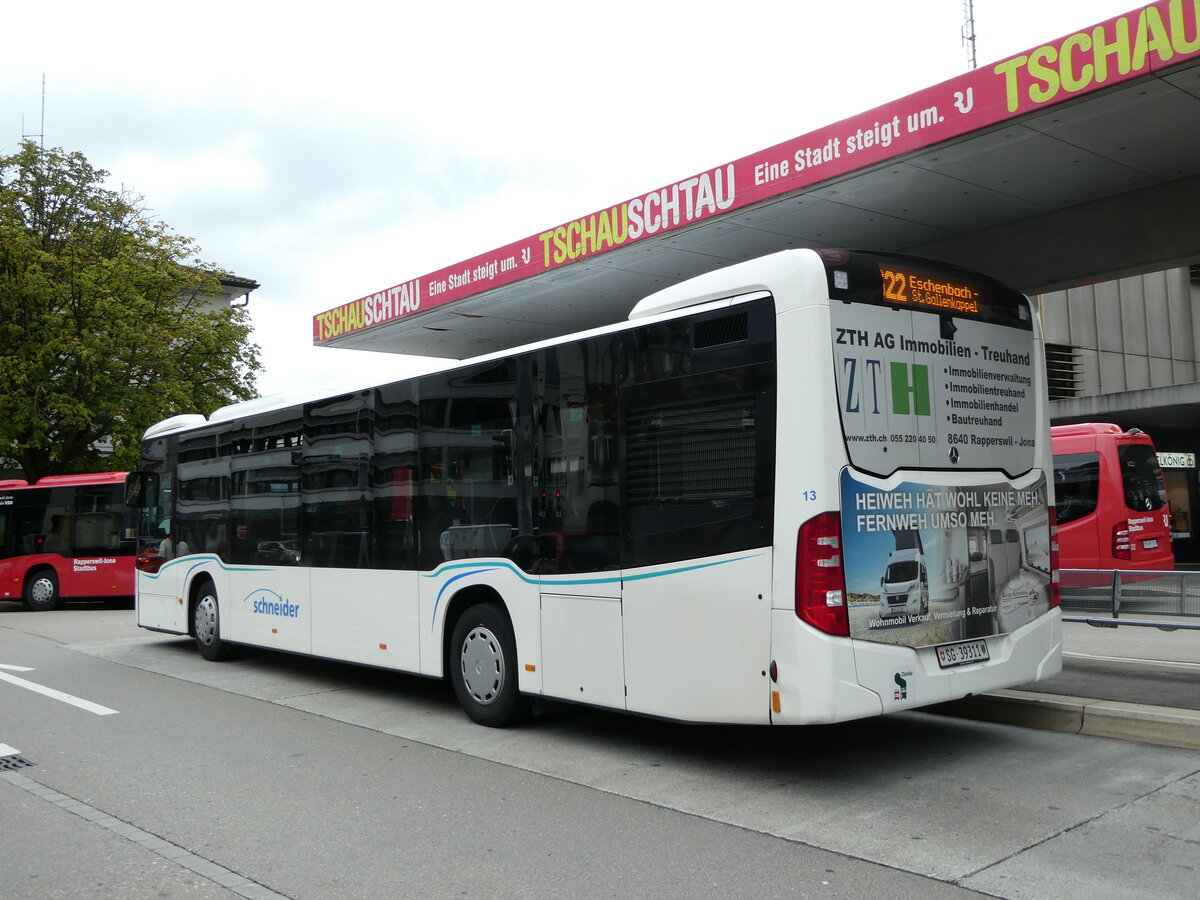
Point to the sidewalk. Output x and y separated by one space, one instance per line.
1132 683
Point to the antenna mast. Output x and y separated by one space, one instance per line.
968 31
41 135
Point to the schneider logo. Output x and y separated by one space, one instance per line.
269 603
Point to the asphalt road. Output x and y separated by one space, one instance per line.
1129 663
275 775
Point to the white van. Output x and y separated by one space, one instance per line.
904 587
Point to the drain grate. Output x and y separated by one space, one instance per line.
12 763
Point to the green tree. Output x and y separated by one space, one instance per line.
106 320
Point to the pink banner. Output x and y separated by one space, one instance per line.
1150 39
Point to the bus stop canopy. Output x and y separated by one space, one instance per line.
1073 162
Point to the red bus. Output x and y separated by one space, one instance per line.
66 536
1110 499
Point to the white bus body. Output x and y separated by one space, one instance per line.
687 516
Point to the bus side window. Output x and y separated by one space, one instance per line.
1076 485
141 489
58 539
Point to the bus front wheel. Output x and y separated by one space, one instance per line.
206 625
41 591
483 667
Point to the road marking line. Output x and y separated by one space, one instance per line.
8 750
16 668
86 705
1168 663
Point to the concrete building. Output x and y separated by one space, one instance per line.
1128 352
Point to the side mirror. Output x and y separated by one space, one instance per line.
141 489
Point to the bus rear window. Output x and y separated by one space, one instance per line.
1076 485
1141 477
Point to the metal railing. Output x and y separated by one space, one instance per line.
1131 598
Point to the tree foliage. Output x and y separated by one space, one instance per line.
107 322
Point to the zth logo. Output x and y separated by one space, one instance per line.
864 393
905 387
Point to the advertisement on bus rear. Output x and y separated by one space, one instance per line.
922 390
932 564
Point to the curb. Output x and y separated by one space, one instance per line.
1161 725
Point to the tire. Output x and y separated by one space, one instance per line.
206 626
41 591
483 667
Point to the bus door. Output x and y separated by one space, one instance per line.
356 611
263 495
43 531
575 551
103 540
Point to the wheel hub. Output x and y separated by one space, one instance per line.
206 620
482 665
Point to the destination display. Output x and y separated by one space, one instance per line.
905 285
937 564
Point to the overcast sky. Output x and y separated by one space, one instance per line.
328 151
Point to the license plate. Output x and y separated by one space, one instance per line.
950 655
1150 544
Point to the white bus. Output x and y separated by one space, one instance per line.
689 515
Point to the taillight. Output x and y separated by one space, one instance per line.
1122 546
820 582
1055 575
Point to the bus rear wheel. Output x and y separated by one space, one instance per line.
41 591
206 626
483 667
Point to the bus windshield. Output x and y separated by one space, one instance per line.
1141 477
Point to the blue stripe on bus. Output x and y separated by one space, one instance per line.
477 569
196 561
